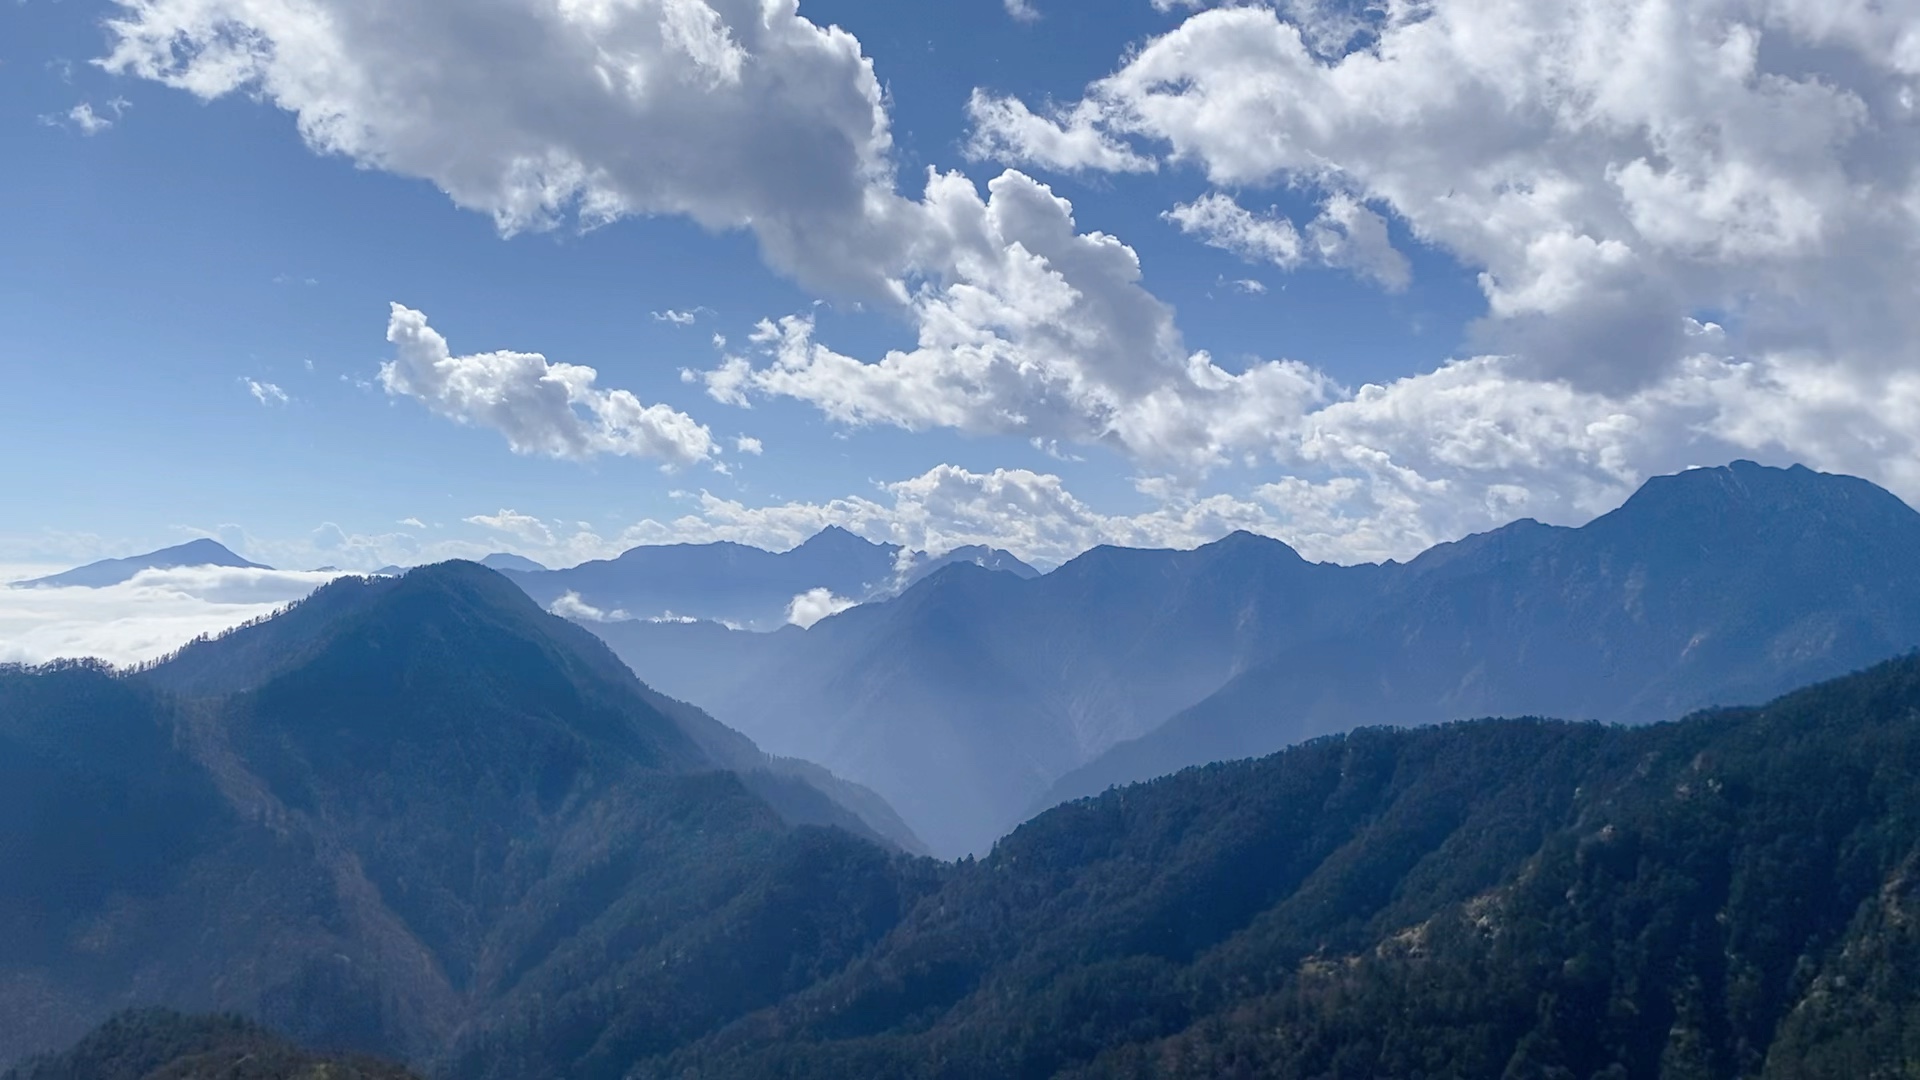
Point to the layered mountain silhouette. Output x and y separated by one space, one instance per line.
99 575
973 699
1727 896
1713 586
962 699
745 586
398 815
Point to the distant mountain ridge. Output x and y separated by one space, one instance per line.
745 586
972 700
107 572
1710 587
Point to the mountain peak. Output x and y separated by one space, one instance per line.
201 552
1242 540
835 538
1704 496
506 560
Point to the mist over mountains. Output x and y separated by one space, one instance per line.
421 817
974 699
747 587
515 869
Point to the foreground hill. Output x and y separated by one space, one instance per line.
158 1044
400 817
1735 895
974 699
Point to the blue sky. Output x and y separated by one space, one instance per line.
196 297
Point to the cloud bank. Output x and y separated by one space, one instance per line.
541 407
151 615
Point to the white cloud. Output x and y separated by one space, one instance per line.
815 604
1004 128
512 522
149 616
1613 173
677 318
1249 286
1038 331
570 606
1022 10
541 407
1220 222
736 113
1349 235
1609 169
1345 234
1031 514
412 523
747 444
265 393
85 120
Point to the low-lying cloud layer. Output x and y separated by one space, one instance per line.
153 614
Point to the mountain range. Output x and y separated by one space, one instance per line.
419 817
742 586
973 699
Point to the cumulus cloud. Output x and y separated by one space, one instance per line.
1220 222
524 526
1618 176
149 616
1039 331
1004 127
736 113
1608 169
815 604
570 606
541 407
747 444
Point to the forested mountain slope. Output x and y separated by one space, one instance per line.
1729 896
159 1044
974 699
404 817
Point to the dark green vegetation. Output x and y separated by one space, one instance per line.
412 816
157 1044
1736 895
975 699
